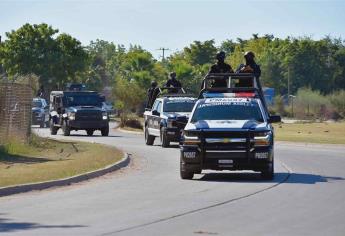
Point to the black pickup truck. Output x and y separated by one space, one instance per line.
77 110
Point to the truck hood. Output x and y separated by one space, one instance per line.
176 114
225 124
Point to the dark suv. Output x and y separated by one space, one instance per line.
167 118
77 110
40 112
229 129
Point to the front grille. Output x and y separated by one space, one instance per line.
219 144
88 116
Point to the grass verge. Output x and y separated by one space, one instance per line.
332 133
44 160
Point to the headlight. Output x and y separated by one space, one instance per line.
262 138
170 123
190 138
104 115
71 116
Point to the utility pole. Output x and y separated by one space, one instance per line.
163 52
288 85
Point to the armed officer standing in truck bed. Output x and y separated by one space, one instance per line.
249 67
220 67
174 83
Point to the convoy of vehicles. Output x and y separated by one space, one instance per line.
40 112
226 128
167 118
77 110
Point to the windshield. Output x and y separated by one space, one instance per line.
179 106
37 103
83 100
228 111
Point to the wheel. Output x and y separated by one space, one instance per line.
149 139
105 131
268 172
66 129
53 129
164 139
183 172
89 132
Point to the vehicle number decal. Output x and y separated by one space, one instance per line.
189 154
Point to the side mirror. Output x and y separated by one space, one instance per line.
155 113
102 98
274 119
58 110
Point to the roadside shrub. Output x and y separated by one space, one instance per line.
337 100
310 104
133 123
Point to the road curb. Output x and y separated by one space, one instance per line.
129 131
6 191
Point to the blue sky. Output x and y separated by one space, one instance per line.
175 24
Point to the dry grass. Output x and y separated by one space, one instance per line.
333 133
45 160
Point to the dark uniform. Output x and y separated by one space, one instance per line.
249 67
220 67
152 94
174 83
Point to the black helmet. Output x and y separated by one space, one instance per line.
249 54
220 55
172 74
153 83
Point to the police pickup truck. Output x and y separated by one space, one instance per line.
77 110
167 118
229 129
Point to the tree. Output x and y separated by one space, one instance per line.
33 49
200 53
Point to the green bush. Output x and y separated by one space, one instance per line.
337 100
310 104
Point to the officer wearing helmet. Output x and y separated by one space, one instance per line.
151 94
250 66
173 82
220 67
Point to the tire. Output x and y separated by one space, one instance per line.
149 139
268 172
89 132
53 129
66 129
184 174
105 131
164 139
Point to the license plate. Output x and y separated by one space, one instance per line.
225 161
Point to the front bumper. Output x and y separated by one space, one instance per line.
36 120
75 124
173 134
197 158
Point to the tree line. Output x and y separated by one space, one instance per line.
58 58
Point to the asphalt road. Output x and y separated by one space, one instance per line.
306 197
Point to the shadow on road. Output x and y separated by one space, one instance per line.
294 178
94 136
18 159
6 225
